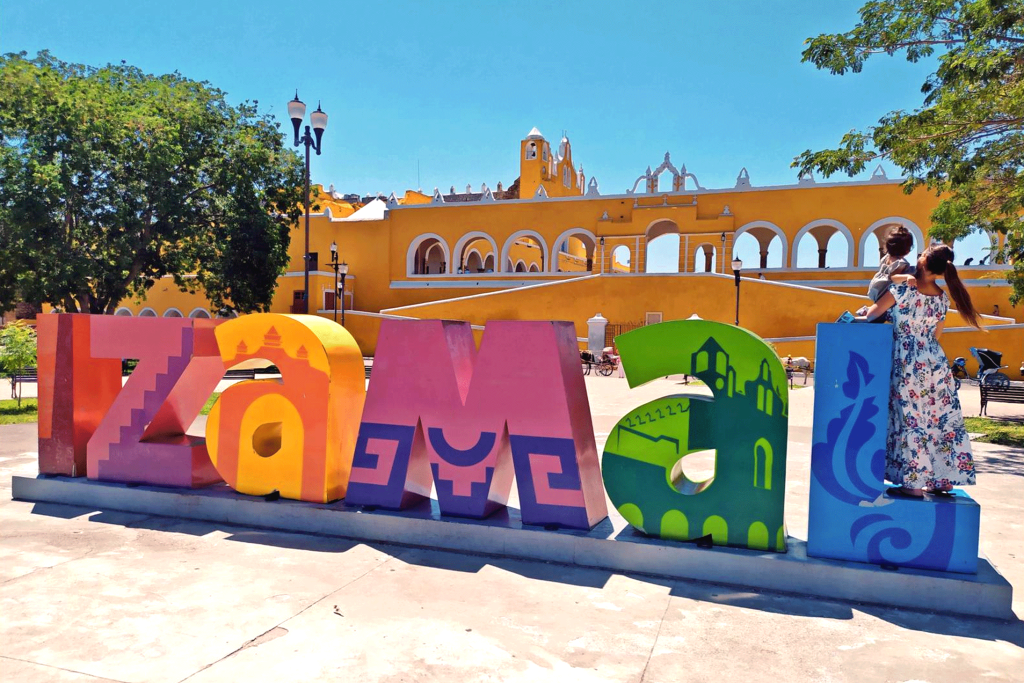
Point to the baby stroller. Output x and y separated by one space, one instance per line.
989 367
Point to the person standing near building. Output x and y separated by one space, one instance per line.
927 448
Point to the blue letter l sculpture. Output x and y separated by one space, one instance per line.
852 514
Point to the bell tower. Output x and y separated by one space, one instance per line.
535 163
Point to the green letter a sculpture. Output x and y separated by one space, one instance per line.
745 423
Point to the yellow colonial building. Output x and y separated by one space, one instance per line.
551 245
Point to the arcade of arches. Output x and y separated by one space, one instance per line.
665 247
553 244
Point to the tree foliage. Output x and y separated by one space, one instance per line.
966 141
111 178
17 351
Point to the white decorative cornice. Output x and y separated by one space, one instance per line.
679 178
743 179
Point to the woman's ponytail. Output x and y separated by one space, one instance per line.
964 305
938 259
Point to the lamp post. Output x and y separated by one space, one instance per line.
318 119
737 266
334 264
340 270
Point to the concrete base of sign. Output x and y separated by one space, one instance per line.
611 545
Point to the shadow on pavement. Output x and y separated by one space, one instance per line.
999 460
742 597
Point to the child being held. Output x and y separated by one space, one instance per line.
894 266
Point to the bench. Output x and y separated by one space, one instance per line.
1011 394
22 376
26 375
240 374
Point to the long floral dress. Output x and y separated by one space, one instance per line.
927 444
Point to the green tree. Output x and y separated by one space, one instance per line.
17 352
966 141
111 178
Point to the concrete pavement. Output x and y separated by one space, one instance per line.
89 595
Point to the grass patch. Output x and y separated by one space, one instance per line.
1001 432
11 414
209 403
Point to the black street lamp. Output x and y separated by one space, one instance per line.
737 266
343 271
340 270
318 119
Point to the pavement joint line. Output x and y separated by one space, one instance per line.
60 668
657 636
281 624
42 569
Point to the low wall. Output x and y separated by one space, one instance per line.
769 309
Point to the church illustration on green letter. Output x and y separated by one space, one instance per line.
742 504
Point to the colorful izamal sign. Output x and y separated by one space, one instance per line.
468 423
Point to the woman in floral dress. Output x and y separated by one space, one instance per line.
927 449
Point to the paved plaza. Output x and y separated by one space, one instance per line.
93 595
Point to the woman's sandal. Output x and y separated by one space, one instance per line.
905 493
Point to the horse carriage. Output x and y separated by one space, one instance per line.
604 363
795 365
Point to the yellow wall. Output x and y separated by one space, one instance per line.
768 309
376 252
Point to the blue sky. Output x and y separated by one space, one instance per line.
451 87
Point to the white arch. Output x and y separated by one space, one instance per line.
565 236
770 226
629 255
533 268
469 256
818 223
429 261
714 256
124 310
410 256
469 237
657 221
507 247
522 263
891 220
199 310
990 240
148 312
173 312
